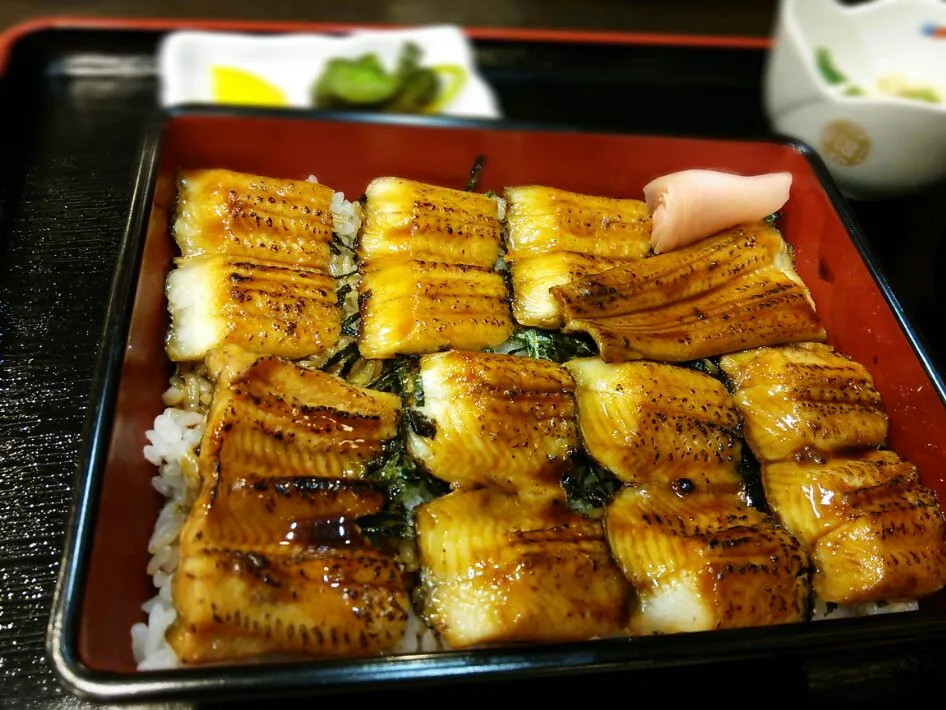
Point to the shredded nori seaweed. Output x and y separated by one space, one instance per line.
342 293
478 162
401 376
407 485
589 487
552 344
750 471
420 424
342 362
350 325
338 243
708 366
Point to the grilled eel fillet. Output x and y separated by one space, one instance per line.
344 601
495 420
241 215
533 277
702 560
262 306
543 219
498 569
729 292
277 419
554 237
411 307
427 258
428 222
804 396
272 560
651 422
875 533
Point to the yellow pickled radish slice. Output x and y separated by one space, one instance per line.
238 86
453 80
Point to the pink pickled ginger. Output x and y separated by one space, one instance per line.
693 204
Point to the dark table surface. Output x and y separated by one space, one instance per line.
716 17
54 274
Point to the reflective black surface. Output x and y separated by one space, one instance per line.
75 105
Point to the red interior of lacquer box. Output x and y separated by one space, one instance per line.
347 155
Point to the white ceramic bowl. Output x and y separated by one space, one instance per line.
865 86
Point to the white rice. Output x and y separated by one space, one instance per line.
346 217
418 637
172 447
500 207
822 611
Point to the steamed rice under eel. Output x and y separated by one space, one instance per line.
502 559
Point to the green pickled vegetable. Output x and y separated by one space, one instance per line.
364 83
355 81
825 64
418 90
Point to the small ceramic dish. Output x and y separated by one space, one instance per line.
865 86
305 70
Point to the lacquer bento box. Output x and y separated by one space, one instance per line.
116 606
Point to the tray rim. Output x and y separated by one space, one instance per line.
19 31
421 669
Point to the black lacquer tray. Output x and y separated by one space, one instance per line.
77 100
